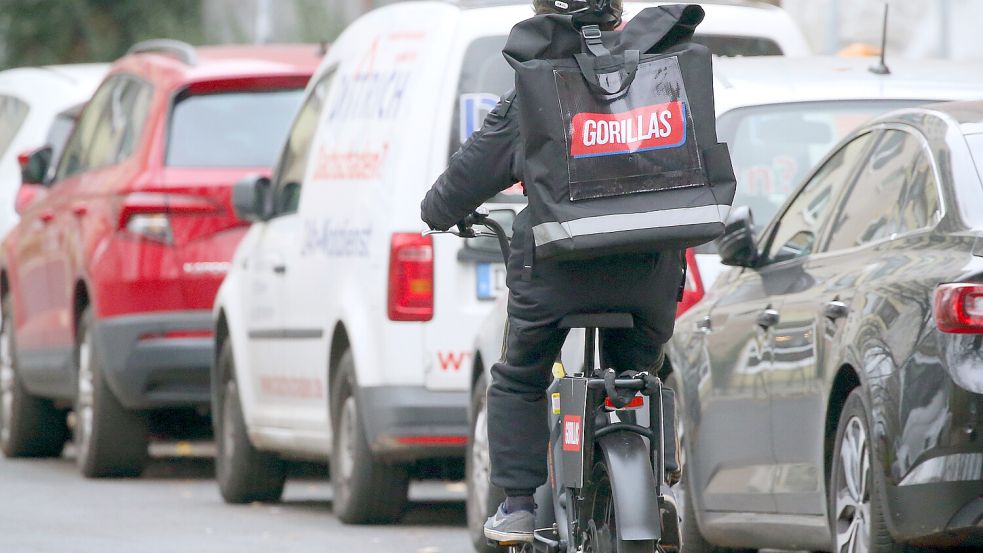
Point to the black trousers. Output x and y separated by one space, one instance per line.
646 286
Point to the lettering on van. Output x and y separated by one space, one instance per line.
474 108
639 130
373 91
335 239
452 361
349 164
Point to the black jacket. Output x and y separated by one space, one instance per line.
488 163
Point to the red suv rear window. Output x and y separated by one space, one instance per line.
230 129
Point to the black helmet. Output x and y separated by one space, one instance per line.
604 12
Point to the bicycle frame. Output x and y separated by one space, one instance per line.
586 432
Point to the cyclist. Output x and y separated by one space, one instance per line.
539 296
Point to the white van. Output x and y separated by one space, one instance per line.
340 330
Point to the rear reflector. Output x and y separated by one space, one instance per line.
636 403
177 335
411 277
693 290
959 308
432 440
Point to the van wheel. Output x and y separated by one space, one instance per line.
29 426
244 473
366 490
109 440
483 497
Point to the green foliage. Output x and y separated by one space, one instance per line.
38 32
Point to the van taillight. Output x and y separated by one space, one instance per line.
959 308
693 289
411 277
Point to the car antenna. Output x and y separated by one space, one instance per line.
881 68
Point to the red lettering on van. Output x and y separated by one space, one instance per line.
451 361
638 130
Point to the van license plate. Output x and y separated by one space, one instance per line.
490 280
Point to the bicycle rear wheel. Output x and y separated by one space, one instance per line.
602 529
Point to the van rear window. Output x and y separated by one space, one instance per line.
231 129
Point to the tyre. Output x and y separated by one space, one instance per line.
483 497
856 503
110 441
366 490
602 532
29 426
244 473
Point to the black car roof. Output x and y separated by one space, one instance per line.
962 112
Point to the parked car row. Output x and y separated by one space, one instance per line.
124 236
302 308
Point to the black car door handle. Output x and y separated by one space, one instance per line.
768 318
836 309
280 269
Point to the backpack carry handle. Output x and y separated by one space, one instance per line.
588 67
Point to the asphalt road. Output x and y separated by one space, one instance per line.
47 507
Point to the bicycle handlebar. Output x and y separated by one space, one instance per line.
480 217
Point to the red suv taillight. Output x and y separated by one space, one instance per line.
148 214
693 289
959 308
411 277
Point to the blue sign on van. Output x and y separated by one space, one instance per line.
474 108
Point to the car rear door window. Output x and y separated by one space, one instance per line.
73 160
921 204
13 112
293 161
120 123
798 229
236 128
871 210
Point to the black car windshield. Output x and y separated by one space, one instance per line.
976 147
773 147
485 77
231 129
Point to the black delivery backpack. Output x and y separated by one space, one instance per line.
621 152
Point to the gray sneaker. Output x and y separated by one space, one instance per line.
510 528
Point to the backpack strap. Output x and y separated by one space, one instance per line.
588 66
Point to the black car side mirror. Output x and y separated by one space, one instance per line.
252 198
738 245
34 165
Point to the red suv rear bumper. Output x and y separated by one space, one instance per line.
157 360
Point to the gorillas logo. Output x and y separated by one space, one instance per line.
648 128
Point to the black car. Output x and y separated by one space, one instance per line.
832 380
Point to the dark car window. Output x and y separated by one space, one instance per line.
732 46
293 161
13 112
230 129
798 229
921 204
774 146
976 147
871 210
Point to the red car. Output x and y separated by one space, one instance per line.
108 280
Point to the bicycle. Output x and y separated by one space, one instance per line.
607 490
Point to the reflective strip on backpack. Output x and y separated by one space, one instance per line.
603 224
